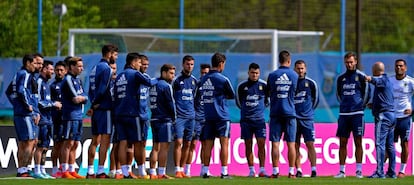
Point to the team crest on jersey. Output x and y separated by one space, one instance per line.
181 83
193 82
356 78
343 79
405 84
245 88
260 87
306 84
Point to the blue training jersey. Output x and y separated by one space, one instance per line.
45 102
199 104
282 85
143 100
215 90
352 92
383 99
306 98
19 93
72 87
184 87
56 95
162 102
252 99
126 90
99 85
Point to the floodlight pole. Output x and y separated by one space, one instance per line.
39 26
60 10
181 47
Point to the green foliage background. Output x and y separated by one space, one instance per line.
387 26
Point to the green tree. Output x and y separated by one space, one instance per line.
18 25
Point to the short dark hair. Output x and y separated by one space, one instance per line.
143 57
300 62
284 56
166 68
27 58
131 57
38 55
109 48
60 63
217 58
254 66
401 60
187 58
350 54
203 66
46 63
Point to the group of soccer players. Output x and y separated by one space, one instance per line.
184 109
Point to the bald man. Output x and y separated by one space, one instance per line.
383 111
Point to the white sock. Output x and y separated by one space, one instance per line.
42 169
342 168
161 170
91 169
101 169
275 170
152 171
402 167
358 166
177 169
313 168
71 168
187 168
262 169
251 169
118 171
224 170
37 169
64 167
143 170
299 169
125 171
292 170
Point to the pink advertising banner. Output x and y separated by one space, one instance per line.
327 154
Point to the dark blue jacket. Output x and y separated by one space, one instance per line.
72 87
99 85
352 92
162 102
307 98
252 99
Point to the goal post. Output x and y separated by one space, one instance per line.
179 41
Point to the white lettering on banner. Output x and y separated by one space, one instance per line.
6 154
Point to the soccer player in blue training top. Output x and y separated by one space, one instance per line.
56 96
282 85
45 124
252 98
383 111
163 111
19 93
199 123
184 87
353 95
306 100
73 100
101 105
127 107
216 89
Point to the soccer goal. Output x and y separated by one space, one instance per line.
195 41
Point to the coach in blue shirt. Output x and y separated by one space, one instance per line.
383 111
